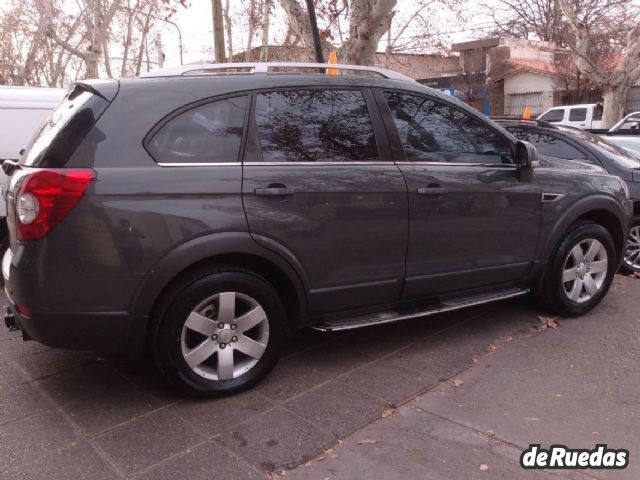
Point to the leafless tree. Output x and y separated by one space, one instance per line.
616 73
218 30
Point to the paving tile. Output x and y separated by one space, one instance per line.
288 379
213 417
14 347
33 437
337 408
390 381
147 440
53 361
432 359
147 377
21 401
96 378
9 375
110 408
78 462
205 462
276 439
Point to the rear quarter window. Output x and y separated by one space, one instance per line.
209 133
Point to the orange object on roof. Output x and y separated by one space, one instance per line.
526 115
333 60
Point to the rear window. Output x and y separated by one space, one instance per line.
64 129
553 115
577 114
209 133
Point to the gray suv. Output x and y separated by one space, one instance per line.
206 213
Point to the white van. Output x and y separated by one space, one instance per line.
586 115
22 111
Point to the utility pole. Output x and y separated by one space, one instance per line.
313 22
218 31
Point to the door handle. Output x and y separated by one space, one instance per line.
274 191
433 190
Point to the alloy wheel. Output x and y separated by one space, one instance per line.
585 270
225 336
632 253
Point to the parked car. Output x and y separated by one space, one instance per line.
625 133
587 115
209 226
575 144
22 111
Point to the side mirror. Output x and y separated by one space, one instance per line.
526 160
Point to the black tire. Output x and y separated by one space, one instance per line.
167 335
633 265
555 295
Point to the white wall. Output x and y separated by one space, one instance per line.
525 82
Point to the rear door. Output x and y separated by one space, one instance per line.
472 222
320 188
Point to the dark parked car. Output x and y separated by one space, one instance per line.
208 217
575 144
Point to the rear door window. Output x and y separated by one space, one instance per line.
209 133
315 126
555 115
577 114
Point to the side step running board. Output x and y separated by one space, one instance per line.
395 316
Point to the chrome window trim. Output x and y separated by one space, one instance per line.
199 164
505 166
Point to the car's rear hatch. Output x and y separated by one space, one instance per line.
44 165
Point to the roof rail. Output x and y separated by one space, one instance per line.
264 67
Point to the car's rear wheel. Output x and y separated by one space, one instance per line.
581 270
220 333
631 262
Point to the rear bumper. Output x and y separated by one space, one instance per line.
105 331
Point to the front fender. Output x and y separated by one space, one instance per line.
558 218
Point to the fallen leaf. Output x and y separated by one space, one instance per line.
388 411
490 432
492 348
484 467
367 441
457 382
547 322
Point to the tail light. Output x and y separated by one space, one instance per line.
46 197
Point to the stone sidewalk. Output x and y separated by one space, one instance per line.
576 385
77 416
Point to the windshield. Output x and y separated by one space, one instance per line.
616 153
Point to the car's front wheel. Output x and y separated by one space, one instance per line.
581 270
631 262
220 333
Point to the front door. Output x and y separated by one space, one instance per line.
320 187
472 222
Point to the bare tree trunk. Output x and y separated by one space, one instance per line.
228 25
370 20
614 103
218 31
252 30
143 43
127 40
266 21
